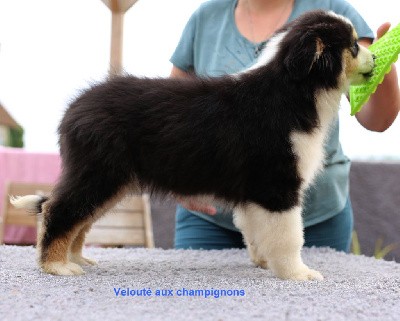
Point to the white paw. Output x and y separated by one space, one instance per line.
294 270
300 274
78 259
260 262
60 268
306 274
257 259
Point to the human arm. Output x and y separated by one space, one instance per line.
383 106
178 73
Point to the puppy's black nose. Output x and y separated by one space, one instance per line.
374 57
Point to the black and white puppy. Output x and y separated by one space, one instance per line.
253 140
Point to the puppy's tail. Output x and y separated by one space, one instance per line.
31 203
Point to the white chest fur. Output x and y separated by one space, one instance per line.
309 147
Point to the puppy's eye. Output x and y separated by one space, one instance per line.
354 49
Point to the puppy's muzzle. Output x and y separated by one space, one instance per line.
369 74
366 62
365 66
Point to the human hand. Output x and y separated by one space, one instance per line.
383 105
382 30
193 204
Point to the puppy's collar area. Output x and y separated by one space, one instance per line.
259 48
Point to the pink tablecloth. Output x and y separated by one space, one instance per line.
21 166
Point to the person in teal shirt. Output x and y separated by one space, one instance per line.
225 37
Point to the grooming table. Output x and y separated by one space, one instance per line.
124 287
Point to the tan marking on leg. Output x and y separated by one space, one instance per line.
75 254
79 241
40 234
55 260
61 256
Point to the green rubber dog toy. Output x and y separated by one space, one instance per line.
386 50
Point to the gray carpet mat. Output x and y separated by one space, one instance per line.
198 285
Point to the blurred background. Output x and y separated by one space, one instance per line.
52 49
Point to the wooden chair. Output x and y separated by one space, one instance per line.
13 216
128 223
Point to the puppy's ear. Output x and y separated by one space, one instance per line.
304 55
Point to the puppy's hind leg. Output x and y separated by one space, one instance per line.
74 203
57 233
75 253
277 239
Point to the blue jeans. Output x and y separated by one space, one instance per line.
193 232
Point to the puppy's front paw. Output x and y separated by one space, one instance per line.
296 272
260 262
60 268
255 258
306 274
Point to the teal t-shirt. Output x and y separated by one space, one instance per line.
211 45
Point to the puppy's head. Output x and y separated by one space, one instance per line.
322 47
